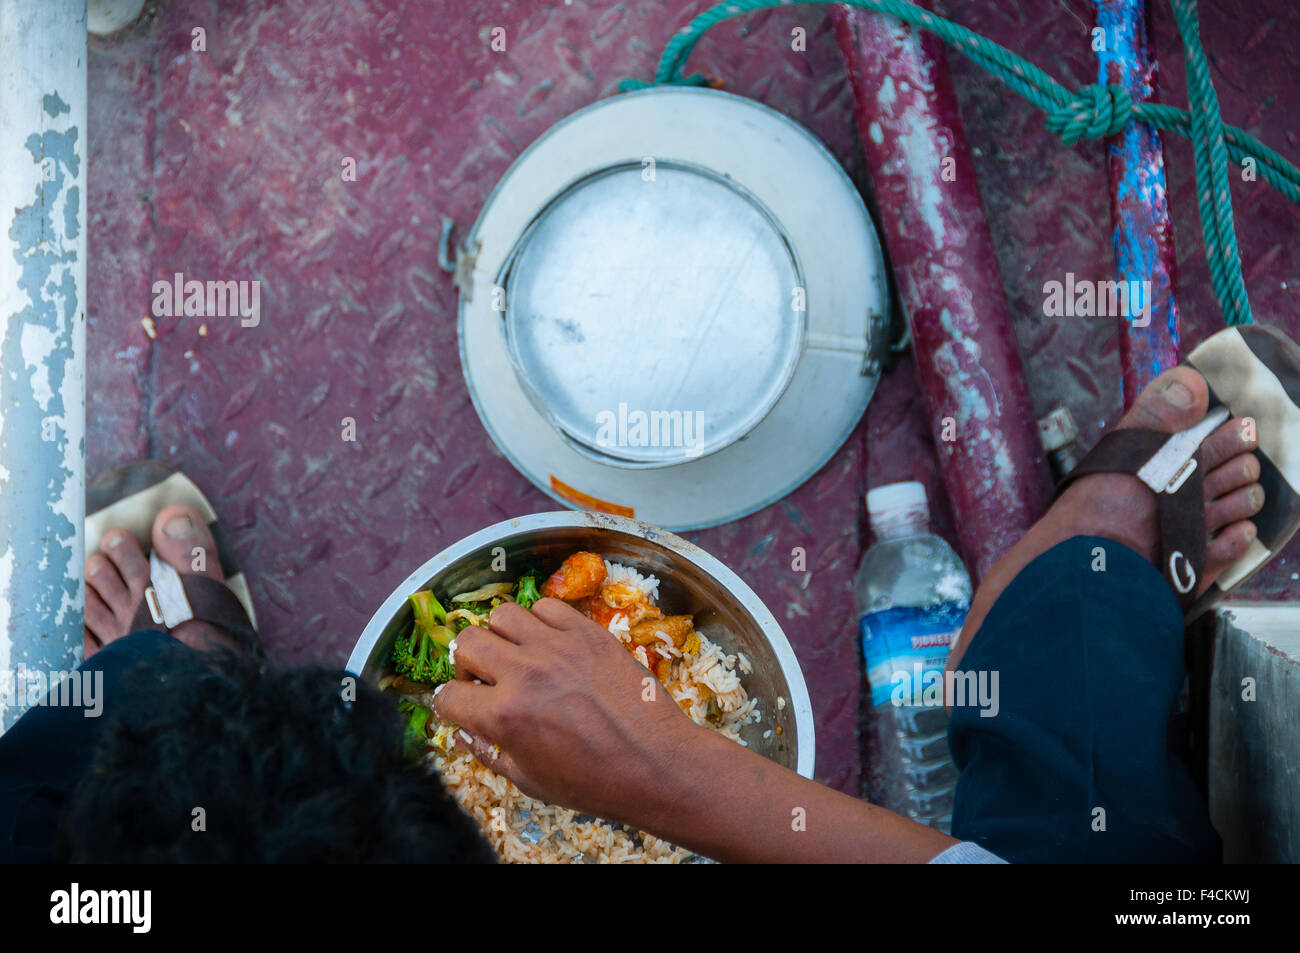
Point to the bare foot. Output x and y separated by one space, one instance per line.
1121 507
117 576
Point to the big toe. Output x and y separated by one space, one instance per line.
1175 400
184 542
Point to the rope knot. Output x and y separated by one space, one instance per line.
1094 113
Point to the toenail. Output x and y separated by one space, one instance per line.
179 527
94 568
1256 498
1178 395
115 540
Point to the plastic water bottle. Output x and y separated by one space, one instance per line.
912 594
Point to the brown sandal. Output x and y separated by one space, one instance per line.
1254 372
130 497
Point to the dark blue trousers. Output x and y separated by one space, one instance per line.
1076 766
44 755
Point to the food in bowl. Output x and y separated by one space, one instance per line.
705 682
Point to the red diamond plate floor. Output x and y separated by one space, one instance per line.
226 164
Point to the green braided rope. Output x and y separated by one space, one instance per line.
1212 193
1094 112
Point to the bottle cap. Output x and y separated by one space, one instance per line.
894 497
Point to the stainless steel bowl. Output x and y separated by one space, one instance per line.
690 581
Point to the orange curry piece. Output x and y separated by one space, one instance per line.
581 581
579 576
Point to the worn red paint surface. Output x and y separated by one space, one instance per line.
226 165
928 201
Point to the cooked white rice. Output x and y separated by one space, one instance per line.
523 830
617 572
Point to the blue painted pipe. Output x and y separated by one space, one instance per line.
1142 236
43 349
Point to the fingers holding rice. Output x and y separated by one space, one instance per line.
482 654
514 623
466 705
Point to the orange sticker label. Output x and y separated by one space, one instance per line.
578 498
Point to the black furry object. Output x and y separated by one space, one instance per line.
226 761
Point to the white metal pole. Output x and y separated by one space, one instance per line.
43 349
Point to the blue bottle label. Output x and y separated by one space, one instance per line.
906 649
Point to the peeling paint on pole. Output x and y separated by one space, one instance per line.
941 251
43 349
1142 235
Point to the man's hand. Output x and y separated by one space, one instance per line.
580 722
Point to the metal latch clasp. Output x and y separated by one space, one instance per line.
165 596
1175 461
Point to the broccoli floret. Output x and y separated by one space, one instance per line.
428 610
421 658
526 591
422 655
482 607
459 625
443 669
417 723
